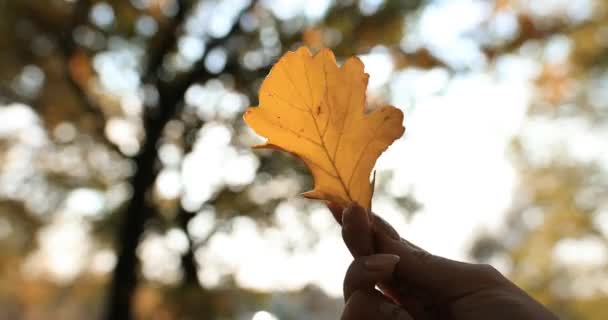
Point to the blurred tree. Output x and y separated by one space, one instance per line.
555 244
117 107
113 87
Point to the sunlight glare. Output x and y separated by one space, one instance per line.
264 315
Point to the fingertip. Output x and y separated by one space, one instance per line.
354 215
382 263
357 231
336 210
367 271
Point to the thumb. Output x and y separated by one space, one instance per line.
365 272
336 210
442 278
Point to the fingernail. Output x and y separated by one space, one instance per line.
393 311
347 213
381 262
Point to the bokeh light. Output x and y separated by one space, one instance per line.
129 113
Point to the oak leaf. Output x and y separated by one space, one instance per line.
314 109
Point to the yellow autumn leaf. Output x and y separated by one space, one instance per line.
314 109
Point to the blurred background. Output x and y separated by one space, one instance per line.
128 186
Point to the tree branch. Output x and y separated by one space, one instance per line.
139 210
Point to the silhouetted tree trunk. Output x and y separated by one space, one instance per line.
189 266
139 210
171 95
124 277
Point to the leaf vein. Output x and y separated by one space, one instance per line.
312 100
332 161
346 114
372 139
297 134
293 85
329 106
322 169
274 95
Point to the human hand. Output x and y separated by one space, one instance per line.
416 285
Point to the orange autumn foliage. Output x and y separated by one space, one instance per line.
314 109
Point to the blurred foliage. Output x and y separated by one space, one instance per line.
558 208
55 56
113 91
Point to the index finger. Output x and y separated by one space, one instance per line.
336 211
357 230
359 226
